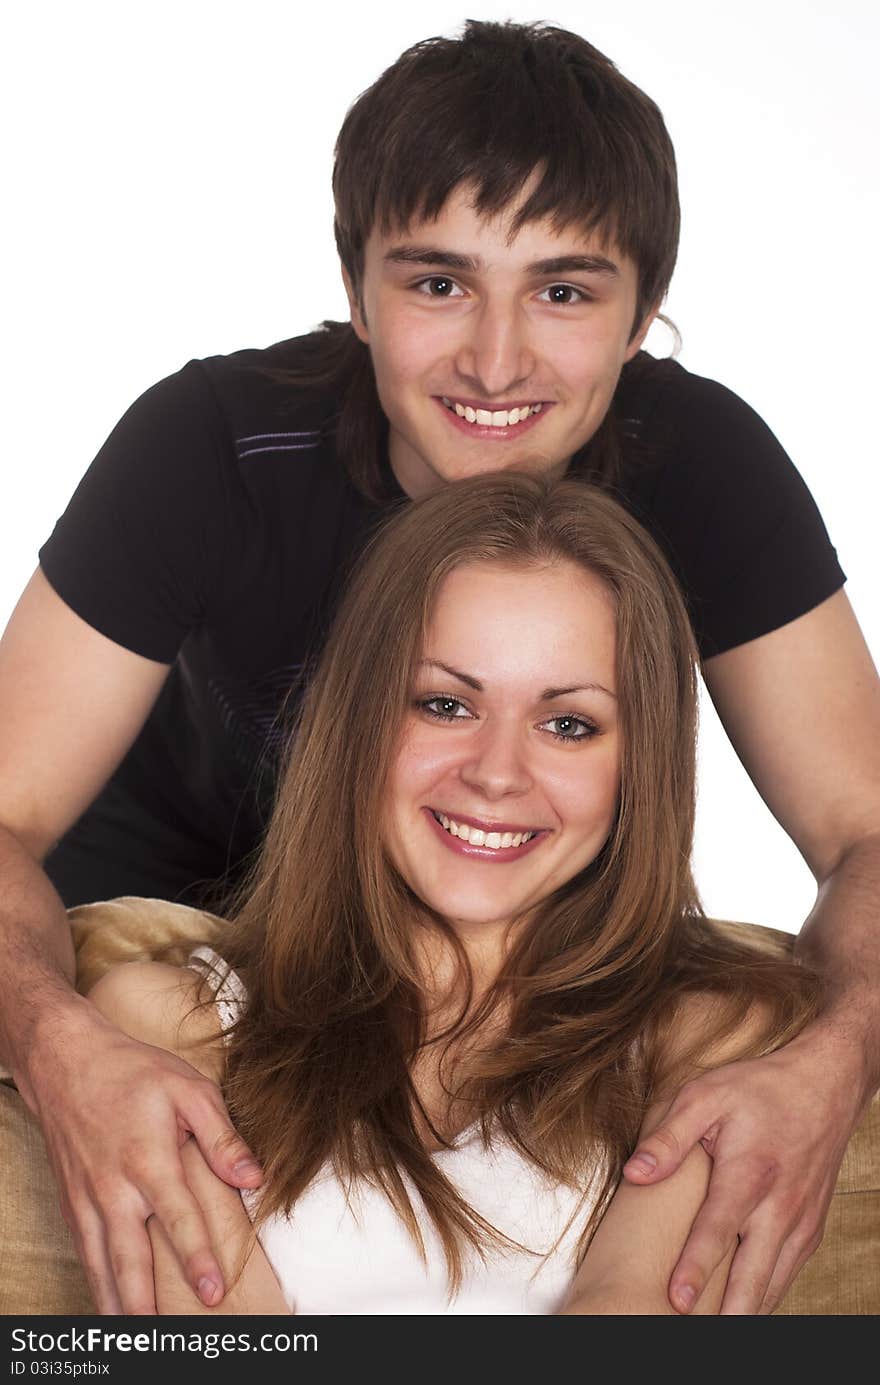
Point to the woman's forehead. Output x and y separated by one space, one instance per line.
519 624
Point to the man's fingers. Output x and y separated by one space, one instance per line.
91 1247
114 1244
712 1236
794 1255
111 1241
223 1148
184 1224
659 1154
777 1242
131 1261
220 1143
752 1267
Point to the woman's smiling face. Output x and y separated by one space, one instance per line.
506 779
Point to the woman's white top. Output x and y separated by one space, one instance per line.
346 1251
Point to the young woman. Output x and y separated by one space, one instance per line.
471 966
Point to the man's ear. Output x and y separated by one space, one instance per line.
355 308
638 338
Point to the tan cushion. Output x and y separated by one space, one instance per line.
40 1271
134 930
843 1277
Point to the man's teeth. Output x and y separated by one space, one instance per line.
492 418
477 837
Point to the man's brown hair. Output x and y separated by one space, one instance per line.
493 107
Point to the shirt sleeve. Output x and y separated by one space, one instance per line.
137 552
740 525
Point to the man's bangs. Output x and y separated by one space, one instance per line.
575 178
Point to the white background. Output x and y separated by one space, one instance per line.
167 194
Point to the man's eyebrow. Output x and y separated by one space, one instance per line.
472 264
429 255
574 264
548 695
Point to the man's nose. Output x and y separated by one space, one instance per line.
497 765
495 355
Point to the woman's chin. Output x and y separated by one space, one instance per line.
471 920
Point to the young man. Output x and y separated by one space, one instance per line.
507 220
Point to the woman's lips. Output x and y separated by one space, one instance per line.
498 855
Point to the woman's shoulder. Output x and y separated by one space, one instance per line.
166 1006
705 1030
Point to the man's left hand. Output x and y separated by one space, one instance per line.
776 1129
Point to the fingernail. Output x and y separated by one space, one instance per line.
247 1167
209 1290
686 1295
642 1163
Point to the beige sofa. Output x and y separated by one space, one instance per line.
40 1272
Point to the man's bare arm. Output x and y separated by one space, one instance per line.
71 703
802 709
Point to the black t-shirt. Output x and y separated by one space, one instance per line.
214 530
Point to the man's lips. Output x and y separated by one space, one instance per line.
498 855
490 431
492 406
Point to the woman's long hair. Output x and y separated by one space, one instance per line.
326 939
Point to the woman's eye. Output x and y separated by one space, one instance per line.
571 728
438 286
563 294
443 708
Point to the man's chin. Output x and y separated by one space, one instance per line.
421 473
462 468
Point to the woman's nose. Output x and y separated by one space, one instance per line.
497 765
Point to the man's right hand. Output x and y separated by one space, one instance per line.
115 1114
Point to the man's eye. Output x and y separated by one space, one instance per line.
438 286
443 708
563 294
571 728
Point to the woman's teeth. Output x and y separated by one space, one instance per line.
492 418
496 841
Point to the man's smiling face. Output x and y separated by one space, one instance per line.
491 350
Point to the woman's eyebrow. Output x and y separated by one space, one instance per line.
454 673
546 696
549 693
